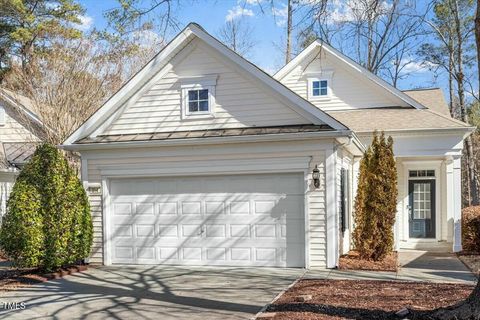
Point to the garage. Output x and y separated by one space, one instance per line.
235 220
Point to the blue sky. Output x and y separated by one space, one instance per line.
268 31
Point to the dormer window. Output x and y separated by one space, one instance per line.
319 85
198 101
319 88
198 97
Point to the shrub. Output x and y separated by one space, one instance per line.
376 200
48 223
471 229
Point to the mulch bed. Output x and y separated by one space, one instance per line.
12 278
472 261
353 299
352 261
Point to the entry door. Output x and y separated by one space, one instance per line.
422 208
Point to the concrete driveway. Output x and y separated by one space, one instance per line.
152 293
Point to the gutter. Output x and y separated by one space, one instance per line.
210 140
465 130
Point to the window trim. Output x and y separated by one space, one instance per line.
198 83
3 115
319 76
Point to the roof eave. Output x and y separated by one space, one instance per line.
467 130
209 140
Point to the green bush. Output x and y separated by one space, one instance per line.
376 200
48 223
471 229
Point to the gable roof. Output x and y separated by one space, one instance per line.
22 103
350 64
300 105
432 98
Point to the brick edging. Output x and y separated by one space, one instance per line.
64 272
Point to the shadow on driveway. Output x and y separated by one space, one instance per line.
152 293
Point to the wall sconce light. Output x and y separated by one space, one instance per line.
316 177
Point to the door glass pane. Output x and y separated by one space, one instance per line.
421 201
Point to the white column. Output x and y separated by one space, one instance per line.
457 204
331 206
450 196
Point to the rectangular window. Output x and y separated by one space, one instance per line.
421 173
319 88
198 101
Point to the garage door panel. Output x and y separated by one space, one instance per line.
122 209
250 220
167 208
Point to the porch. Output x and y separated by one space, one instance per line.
429 189
429 204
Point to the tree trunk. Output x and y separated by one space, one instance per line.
465 310
288 51
477 41
463 109
450 76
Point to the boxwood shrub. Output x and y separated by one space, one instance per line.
48 223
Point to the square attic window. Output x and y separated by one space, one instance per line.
198 101
319 88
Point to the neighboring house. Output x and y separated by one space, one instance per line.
204 159
20 132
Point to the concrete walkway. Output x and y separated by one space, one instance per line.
414 266
152 292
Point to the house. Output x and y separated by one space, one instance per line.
204 159
20 132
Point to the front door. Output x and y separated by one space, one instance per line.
422 208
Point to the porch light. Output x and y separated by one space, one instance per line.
316 177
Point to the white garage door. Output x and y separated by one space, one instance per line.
247 220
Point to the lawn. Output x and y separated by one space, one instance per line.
353 299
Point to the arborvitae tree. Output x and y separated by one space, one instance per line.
376 200
48 222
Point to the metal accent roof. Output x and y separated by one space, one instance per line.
207 133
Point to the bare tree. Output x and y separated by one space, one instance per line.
300 17
237 35
453 28
133 15
72 81
477 41
382 32
288 50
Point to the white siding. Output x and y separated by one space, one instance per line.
14 131
241 101
349 90
216 156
